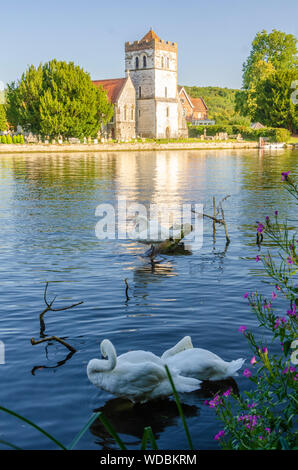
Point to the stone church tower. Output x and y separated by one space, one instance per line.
152 66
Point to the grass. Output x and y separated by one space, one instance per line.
148 436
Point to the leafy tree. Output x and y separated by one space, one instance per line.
220 102
3 121
58 99
270 53
274 106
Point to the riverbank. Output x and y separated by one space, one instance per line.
125 146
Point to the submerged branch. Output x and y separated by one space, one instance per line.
53 338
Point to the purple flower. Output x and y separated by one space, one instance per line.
253 360
242 329
246 295
265 350
276 213
290 260
292 311
227 393
285 175
257 258
268 430
274 295
260 228
219 435
247 373
277 287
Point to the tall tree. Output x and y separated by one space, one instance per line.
274 104
58 99
3 120
270 52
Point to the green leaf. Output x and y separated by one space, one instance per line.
82 432
42 431
112 431
179 408
148 434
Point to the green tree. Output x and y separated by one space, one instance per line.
270 52
3 121
58 99
274 106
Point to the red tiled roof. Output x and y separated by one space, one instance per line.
199 104
112 86
149 36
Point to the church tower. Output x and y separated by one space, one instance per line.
152 66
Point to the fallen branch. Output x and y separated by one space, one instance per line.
50 308
53 338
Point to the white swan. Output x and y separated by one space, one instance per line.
199 363
137 375
184 343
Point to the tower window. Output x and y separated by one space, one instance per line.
168 63
132 114
162 62
144 61
139 112
140 92
125 113
166 92
168 111
137 62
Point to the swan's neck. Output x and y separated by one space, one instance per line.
184 343
104 365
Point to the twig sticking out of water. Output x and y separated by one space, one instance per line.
53 338
126 290
216 220
49 307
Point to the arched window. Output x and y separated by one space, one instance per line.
166 92
137 62
162 62
144 61
168 63
168 111
125 112
140 92
132 114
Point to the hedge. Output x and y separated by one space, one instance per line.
273 133
16 139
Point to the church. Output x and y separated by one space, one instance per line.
148 102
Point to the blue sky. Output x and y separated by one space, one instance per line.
213 36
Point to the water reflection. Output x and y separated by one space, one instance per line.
131 420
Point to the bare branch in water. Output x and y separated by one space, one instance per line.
50 308
126 290
217 210
53 338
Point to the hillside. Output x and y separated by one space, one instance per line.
220 102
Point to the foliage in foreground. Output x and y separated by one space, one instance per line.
266 417
148 436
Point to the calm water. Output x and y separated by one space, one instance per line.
47 233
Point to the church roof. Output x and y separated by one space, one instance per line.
112 86
149 36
